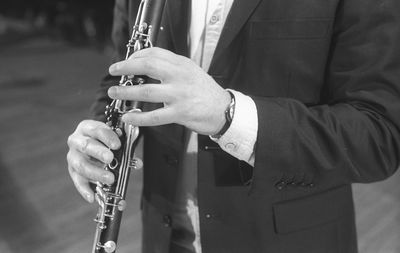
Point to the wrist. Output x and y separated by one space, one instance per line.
228 116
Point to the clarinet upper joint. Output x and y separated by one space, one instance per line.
111 198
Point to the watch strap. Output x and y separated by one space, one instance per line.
229 113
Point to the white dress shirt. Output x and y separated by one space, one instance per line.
207 20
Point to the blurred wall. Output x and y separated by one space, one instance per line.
72 20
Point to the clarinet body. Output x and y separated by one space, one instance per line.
111 198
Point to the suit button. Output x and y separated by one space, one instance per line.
171 160
167 221
280 185
311 185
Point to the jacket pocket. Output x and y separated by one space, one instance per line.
311 211
309 28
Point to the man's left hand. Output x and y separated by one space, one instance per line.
191 97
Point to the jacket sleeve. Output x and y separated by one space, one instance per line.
354 133
120 36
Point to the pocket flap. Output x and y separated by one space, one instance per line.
313 210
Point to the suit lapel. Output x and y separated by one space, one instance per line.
238 15
178 15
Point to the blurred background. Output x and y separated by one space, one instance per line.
53 54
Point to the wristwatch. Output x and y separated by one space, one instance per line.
229 113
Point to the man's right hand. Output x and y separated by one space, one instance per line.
89 153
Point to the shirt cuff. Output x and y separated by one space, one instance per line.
240 138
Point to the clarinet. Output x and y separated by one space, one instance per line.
111 198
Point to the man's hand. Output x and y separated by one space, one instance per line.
89 152
190 96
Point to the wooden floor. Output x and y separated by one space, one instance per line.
45 89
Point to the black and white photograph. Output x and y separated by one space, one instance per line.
200 126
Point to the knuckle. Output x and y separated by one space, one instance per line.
89 125
101 134
153 65
70 140
154 118
185 114
79 166
100 155
69 158
153 51
84 145
183 60
83 169
146 92
75 164
104 135
97 131
83 123
186 94
183 109
156 50
148 64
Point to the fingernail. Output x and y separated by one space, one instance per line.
114 67
114 145
107 157
112 91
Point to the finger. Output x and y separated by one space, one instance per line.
161 116
91 124
91 148
101 132
154 93
156 68
156 52
82 185
92 172
138 163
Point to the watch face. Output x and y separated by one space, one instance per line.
231 111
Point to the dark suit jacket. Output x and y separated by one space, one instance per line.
325 77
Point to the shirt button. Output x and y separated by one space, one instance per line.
167 221
214 19
230 146
171 160
208 216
